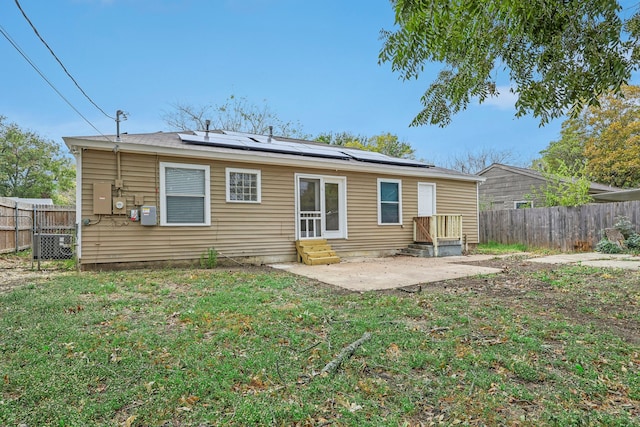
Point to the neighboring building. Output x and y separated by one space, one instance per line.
511 187
32 201
170 196
618 196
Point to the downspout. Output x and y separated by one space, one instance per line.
78 155
477 213
119 174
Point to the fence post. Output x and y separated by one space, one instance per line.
34 238
16 226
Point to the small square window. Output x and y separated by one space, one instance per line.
243 185
523 204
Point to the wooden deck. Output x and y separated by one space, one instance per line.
437 229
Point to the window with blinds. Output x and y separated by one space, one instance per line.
184 194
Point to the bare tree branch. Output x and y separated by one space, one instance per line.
346 353
234 114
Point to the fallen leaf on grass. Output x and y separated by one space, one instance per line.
189 400
393 351
354 407
129 422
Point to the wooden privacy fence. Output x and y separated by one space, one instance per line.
563 228
18 222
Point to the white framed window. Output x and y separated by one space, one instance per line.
185 197
243 185
523 204
389 201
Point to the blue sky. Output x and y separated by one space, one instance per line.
314 62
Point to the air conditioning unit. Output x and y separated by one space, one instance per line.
52 246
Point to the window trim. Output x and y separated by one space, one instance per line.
163 194
524 202
258 174
379 195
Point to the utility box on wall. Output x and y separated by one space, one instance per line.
119 205
148 215
102 198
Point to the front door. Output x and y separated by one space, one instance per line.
321 207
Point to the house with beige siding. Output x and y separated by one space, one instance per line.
166 198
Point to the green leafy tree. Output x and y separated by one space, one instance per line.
33 167
343 139
602 142
234 114
390 145
559 55
568 151
564 187
385 143
612 146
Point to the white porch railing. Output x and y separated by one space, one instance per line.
437 228
310 224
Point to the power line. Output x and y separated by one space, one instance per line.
35 67
59 61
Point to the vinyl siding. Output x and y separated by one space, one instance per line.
502 188
263 232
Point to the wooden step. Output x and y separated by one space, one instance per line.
323 260
316 252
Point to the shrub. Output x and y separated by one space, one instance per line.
633 242
608 247
209 259
625 226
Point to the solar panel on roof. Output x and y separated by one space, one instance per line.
256 138
217 140
243 141
372 156
297 146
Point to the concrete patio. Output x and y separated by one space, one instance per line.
370 274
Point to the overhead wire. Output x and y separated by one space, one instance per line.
35 30
35 67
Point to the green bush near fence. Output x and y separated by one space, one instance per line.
631 243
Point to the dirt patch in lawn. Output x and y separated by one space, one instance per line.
16 271
601 298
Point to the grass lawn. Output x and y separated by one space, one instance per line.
244 347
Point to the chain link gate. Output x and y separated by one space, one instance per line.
53 237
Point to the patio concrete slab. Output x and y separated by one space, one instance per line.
368 274
593 259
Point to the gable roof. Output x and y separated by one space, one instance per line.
251 148
593 187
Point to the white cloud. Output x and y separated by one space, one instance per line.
506 100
